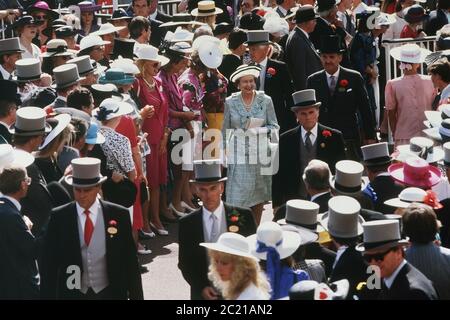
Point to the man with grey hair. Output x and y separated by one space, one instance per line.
19 275
317 182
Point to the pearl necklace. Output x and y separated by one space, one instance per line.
150 86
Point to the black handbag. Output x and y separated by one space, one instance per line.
123 193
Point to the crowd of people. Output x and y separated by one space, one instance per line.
116 122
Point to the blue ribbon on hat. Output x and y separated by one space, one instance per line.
103 113
370 192
273 265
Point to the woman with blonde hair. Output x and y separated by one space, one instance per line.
234 271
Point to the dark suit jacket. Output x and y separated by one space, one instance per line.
157 34
443 215
192 258
5 135
19 277
350 266
436 21
229 65
340 110
301 57
280 88
286 182
317 251
385 188
163 17
62 249
410 284
322 201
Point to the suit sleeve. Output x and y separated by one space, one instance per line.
297 64
22 238
287 86
49 261
341 153
364 108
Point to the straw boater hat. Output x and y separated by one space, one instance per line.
231 243
376 154
14 157
207 171
61 121
30 121
85 173
66 75
342 219
245 70
410 195
11 45
410 53
415 172
148 52
348 179
270 234
381 235
27 70
305 99
302 215
420 147
206 8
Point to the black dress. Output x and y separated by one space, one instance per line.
49 168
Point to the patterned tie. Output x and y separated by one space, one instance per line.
88 228
308 143
214 234
332 84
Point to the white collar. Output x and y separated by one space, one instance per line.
390 280
339 254
304 32
217 212
93 211
14 201
383 174
336 74
263 63
314 197
4 72
5 125
153 15
313 131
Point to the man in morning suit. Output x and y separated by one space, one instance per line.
144 8
300 54
345 103
9 101
383 248
19 277
298 146
89 252
206 225
382 186
274 78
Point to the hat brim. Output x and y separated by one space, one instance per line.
159 58
105 32
127 80
291 242
292 15
396 172
315 105
19 158
397 203
433 117
369 163
16 79
396 54
181 23
54 14
124 109
65 85
324 218
11 51
206 181
221 248
248 71
69 181
100 139
433 133
364 182
402 242
307 235
46 130
404 153
195 13
63 122
211 59
74 113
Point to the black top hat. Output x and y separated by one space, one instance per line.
324 5
415 14
251 21
120 14
9 92
124 48
65 31
58 23
305 13
222 28
25 21
331 44
236 38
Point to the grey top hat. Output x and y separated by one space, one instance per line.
27 70
446 148
302 215
342 219
305 99
376 154
66 75
381 235
10 45
85 173
257 37
207 171
30 121
84 64
348 179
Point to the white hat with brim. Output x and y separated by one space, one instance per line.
198 42
92 41
231 243
410 53
245 70
307 235
406 197
112 109
206 8
126 65
63 122
436 154
433 133
433 117
107 28
14 157
210 54
148 52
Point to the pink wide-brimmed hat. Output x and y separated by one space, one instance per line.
415 172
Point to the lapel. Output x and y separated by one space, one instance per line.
266 79
397 285
320 142
324 84
197 231
307 40
73 234
106 216
341 76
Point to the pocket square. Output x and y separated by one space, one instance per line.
348 90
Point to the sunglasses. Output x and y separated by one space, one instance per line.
40 16
378 257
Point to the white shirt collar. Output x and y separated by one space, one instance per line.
336 74
94 210
14 201
5 73
383 174
313 135
446 92
390 280
153 15
217 212
5 125
339 253
263 63
314 197
304 32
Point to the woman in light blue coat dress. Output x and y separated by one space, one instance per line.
249 121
